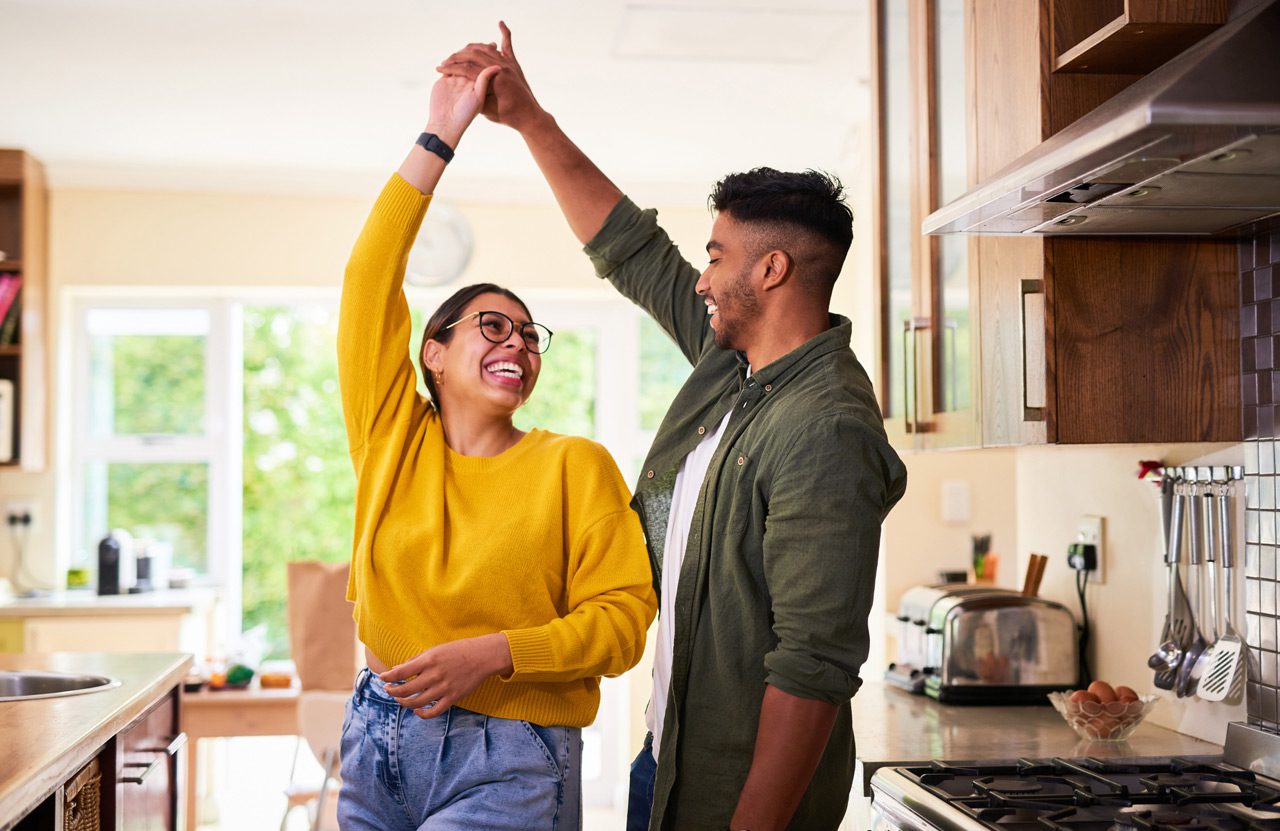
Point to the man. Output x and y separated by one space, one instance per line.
764 491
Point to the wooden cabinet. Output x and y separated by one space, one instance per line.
23 218
149 770
928 369
1089 340
135 782
1129 37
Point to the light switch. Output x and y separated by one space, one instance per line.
956 503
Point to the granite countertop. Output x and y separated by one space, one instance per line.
892 726
88 602
47 740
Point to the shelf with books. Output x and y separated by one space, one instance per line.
23 252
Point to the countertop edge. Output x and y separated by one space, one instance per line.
28 796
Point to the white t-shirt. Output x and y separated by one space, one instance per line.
683 501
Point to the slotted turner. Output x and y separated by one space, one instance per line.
1219 676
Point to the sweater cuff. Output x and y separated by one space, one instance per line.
401 204
624 232
530 651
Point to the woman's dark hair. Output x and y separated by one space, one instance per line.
448 314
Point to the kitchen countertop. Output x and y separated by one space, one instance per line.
82 602
47 740
892 727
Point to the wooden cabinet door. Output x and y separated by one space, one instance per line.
928 372
149 770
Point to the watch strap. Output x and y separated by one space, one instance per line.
432 144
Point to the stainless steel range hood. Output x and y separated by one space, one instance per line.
1191 149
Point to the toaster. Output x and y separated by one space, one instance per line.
984 645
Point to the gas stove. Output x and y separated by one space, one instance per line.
1180 794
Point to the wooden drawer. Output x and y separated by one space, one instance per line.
149 768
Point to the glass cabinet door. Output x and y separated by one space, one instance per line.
953 384
897 342
928 370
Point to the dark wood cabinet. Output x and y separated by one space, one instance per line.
1088 340
134 782
149 767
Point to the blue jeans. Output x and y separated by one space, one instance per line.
640 798
459 771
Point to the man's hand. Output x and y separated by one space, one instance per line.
434 680
510 100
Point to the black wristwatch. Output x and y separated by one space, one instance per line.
432 144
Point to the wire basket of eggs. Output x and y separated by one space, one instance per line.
1102 712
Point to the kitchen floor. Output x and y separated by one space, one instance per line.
251 775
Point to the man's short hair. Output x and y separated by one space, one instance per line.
786 202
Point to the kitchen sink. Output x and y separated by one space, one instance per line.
28 684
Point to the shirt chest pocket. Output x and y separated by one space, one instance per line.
738 505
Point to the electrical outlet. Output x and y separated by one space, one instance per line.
19 514
1089 531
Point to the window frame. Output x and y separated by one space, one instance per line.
218 447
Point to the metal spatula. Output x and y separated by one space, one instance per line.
1219 676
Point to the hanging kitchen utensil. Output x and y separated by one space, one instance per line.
1177 632
1207 588
1191 654
1219 677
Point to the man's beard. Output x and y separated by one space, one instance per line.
741 304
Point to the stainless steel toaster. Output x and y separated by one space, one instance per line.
999 647
973 644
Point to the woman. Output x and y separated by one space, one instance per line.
496 574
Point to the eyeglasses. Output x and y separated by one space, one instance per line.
497 327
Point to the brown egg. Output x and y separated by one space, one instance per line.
1081 696
1126 693
1103 691
1102 727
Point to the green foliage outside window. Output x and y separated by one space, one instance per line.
153 383
299 487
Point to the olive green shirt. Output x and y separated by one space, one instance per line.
779 571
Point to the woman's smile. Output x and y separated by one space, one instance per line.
506 373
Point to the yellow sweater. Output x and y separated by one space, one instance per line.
537 542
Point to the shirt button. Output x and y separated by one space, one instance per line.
768 387
741 460
702 430
649 474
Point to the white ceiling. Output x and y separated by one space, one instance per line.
326 95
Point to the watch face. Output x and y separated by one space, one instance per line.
442 250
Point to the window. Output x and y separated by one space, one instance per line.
155 433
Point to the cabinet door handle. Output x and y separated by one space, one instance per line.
1034 358
911 375
175 744
142 777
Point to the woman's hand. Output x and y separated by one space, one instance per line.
434 680
455 101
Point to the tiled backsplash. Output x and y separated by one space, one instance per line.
1260 374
